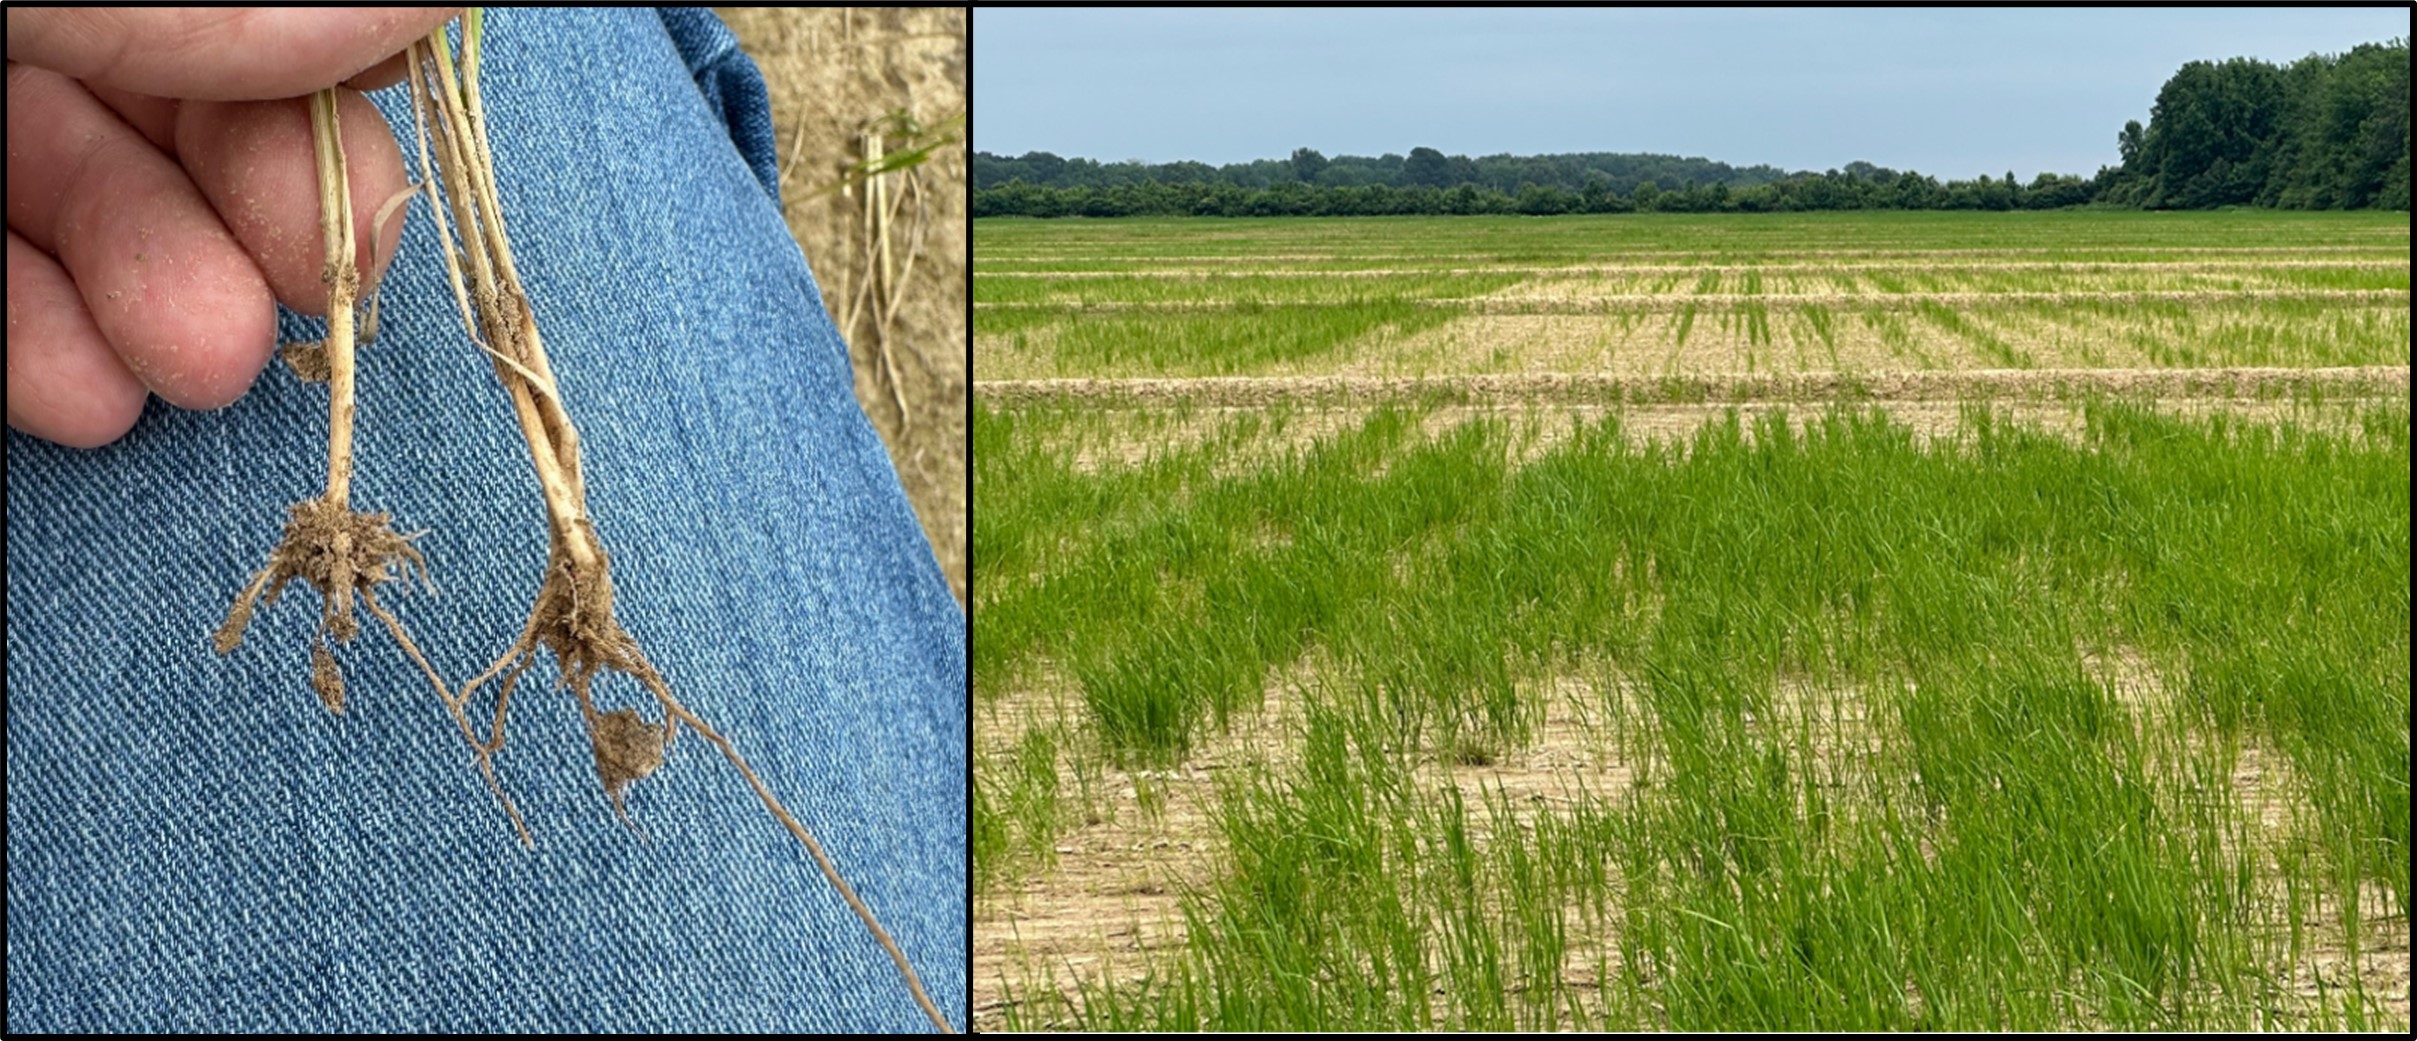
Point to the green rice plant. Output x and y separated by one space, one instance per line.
1010 321
1033 799
1758 325
1991 345
2022 849
2386 277
989 835
1817 319
1251 337
1897 336
1917 728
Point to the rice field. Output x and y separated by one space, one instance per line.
1346 658
1675 295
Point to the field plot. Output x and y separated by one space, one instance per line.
1336 667
1687 295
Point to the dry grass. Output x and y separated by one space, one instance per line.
833 74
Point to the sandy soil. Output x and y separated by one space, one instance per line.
1581 388
1112 896
833 73
1610 270
1627 332
1110 900
1532 430
1657 303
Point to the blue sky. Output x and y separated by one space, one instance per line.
1950 93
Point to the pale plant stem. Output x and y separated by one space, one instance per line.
343 279
494 302
881 204
511 328
514 313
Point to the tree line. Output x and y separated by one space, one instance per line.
2324 132
1422 167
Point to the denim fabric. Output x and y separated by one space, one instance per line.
195 843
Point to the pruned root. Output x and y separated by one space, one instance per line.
340 552
325 677
486 755
627 749
239 616
573 617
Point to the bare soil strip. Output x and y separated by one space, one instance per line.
1724 265
1599 388
1110 907
1673 301
1117 251
1535 430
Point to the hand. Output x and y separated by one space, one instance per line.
155 204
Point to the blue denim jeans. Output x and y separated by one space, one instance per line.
195 843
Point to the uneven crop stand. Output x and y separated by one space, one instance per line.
1838 621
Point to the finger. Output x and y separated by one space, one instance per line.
64 383
253 160
169 288
154 118
220 54
380 76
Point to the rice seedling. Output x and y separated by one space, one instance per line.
339 551
1665 657
342 552
1147 299
2025 844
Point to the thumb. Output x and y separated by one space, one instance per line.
215 54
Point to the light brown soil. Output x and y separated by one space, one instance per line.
1534 429
1092 252
1581 388
1661 303
1571 343
833 72
1111 900
1574 270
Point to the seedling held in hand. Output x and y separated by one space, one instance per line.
342 552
